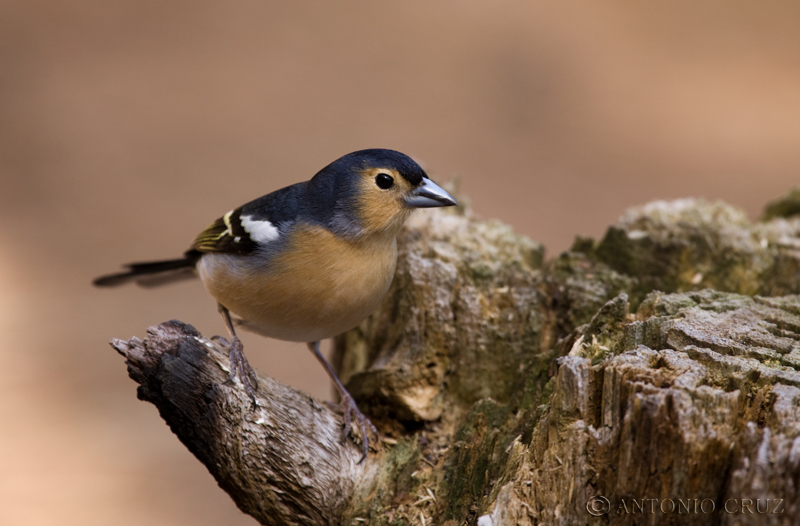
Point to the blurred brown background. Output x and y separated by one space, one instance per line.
126 126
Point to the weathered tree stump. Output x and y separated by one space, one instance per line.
650 377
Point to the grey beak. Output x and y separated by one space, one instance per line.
429 195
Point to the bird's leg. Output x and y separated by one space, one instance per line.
239 365
347 405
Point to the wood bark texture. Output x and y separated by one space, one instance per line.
650 377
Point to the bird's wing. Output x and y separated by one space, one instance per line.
226 234
253 225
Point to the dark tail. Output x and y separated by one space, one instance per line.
153 273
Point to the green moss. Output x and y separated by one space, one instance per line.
469 473
786 206
395 479
535 383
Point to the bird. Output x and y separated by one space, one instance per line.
306 262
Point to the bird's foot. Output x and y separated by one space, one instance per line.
241 368
352 416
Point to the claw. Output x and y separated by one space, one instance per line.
239 365
347 406
351 413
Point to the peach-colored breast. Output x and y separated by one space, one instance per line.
320 287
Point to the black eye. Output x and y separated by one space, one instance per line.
384 181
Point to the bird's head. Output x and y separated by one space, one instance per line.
373 191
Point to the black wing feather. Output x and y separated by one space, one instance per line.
227 234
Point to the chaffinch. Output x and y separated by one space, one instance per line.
306 262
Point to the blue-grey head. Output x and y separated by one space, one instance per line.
373 191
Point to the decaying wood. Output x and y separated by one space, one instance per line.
283 461
657 366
